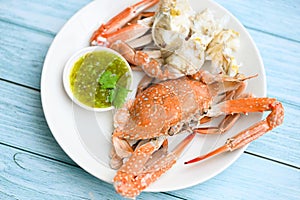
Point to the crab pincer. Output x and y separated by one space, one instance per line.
140 170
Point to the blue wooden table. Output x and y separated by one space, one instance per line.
33 166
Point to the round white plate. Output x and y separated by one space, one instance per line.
85 135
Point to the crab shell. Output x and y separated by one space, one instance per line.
163 108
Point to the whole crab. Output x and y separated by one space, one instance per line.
171 107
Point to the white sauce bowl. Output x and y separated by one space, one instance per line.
68 69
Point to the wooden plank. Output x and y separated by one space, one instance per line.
22 56
255 14
47 17
28 176
282 143
25 175
278 17
249 178
281 62
281 59
22 116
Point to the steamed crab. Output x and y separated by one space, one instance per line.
179 42
171 107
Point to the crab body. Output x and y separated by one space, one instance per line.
162 109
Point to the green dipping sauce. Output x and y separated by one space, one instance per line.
100 79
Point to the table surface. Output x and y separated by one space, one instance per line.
33 166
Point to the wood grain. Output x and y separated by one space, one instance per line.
22 56
22 122
47 17
281 59
281 143
249 178
274 17
27 176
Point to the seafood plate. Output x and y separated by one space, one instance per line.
87 137
177 95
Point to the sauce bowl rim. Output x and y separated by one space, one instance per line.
70 64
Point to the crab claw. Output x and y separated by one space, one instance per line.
144 167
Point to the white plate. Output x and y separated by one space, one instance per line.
85 135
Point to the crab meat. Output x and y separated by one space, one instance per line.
171 23
220 52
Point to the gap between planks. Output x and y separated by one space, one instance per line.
271 34
21 85
270 159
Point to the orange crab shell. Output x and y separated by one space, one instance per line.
164 105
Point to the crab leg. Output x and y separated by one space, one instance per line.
274 119
229 120
143 84
136 174
224 126
141 16
151 66
107 30
127 33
